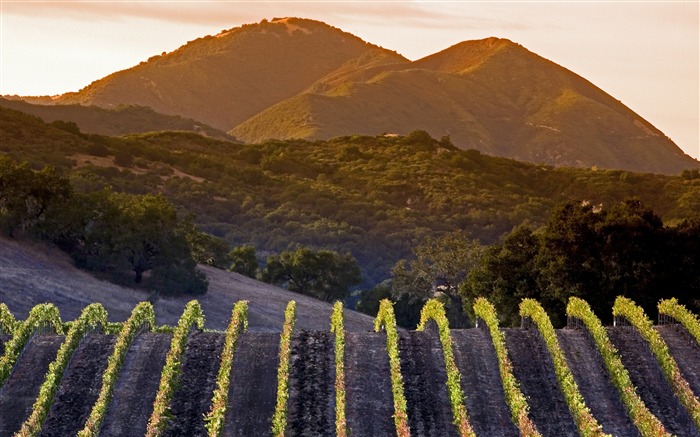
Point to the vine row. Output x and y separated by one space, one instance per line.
279 419
338 327
690 321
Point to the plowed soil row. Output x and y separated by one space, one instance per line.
651 386
136 386
594 383
312 385
192 399
686 351
370 403
81 383
253 389
481 383
22 388
532 366
424 376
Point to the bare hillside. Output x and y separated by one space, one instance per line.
32 274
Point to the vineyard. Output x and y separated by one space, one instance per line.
90 376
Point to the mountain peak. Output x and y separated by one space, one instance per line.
465 56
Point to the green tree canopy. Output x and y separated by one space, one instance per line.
325 274
244 260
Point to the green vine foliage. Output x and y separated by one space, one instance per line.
42 314
214 420
92 316
338 327
635 315
141 316
691 322
8 323
484 310
648 424
434 309
386 319
279 419
587 425
191 317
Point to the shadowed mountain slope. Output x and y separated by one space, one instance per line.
114 122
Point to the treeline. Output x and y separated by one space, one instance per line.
130 239
588 251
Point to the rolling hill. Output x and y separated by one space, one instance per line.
298 78
123 120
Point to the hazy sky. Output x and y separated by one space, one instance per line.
647 54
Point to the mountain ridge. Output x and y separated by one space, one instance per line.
298 78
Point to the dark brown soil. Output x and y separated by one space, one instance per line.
481 383
651 386
192 399
4 338
20 391
594 383
312 385
424 377
369 400
686 351
253 389
80 386
136 386
533 368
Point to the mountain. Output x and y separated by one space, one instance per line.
225 79
122 120
298 78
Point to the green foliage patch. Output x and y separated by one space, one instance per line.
587 424
338 327
40 315
643 419
142 316
191 317
690 321
484 310
635 315
385 319
214 421
434 309
279 418
7 320
91 316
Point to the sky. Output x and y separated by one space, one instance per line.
644 53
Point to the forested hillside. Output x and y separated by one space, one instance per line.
376 197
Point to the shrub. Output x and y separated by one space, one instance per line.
170 376
42 314
7 320
142 315
691 322
635 314
92 315
279 419
434 309
484 310
586 423
338 327
646 422
385 318
217 412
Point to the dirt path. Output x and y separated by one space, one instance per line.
370 403
686 351
192 399
593 382
651 386
533 368
79 387
253 390
311 384
20 391
481 383
424 376
136 386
